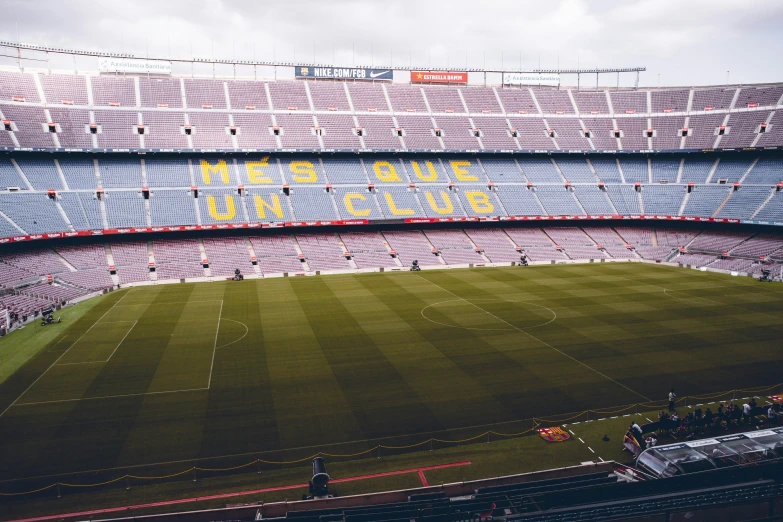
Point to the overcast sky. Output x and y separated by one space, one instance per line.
681 42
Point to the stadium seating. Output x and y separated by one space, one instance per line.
80 202
558 201
367 249
276 254
322 251
410 245
209 107
226 255
705 200
177 259
594 200
455 246
495 243
664 200
62 192
85 267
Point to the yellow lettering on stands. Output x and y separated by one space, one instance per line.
433 173
275 207
462 173
255 173
304 167
480 202
397 211
385 171
227 215
207 170
448 207
348 200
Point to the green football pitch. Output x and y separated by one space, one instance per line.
161 378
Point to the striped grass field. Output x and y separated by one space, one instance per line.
158 379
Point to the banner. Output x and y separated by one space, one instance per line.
130 65
344 73
531 79
438 77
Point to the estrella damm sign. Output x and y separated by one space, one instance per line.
554 434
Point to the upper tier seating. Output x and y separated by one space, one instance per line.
166 106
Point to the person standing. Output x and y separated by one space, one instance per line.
672 398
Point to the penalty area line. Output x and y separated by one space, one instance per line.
115 348
63 354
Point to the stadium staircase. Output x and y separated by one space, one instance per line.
723 204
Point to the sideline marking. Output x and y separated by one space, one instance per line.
420 472
539 340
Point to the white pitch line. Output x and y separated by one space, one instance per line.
63 354
122 340
580 440
115 348
554 315
247 330
572 433
539 340
214 349
35 381
172 302
107 397
692 297
591 449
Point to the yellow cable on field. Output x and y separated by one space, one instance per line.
311 457
609 412
90 485
410 446
28 492
228 469
462 440
350 454
558 421
516 434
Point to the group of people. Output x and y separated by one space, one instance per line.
701 423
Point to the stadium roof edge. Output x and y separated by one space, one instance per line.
58 50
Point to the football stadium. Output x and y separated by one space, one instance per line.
301 290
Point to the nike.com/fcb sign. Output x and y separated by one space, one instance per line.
438 77
344 73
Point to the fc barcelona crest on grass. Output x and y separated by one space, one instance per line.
554 434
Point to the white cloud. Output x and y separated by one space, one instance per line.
687 43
